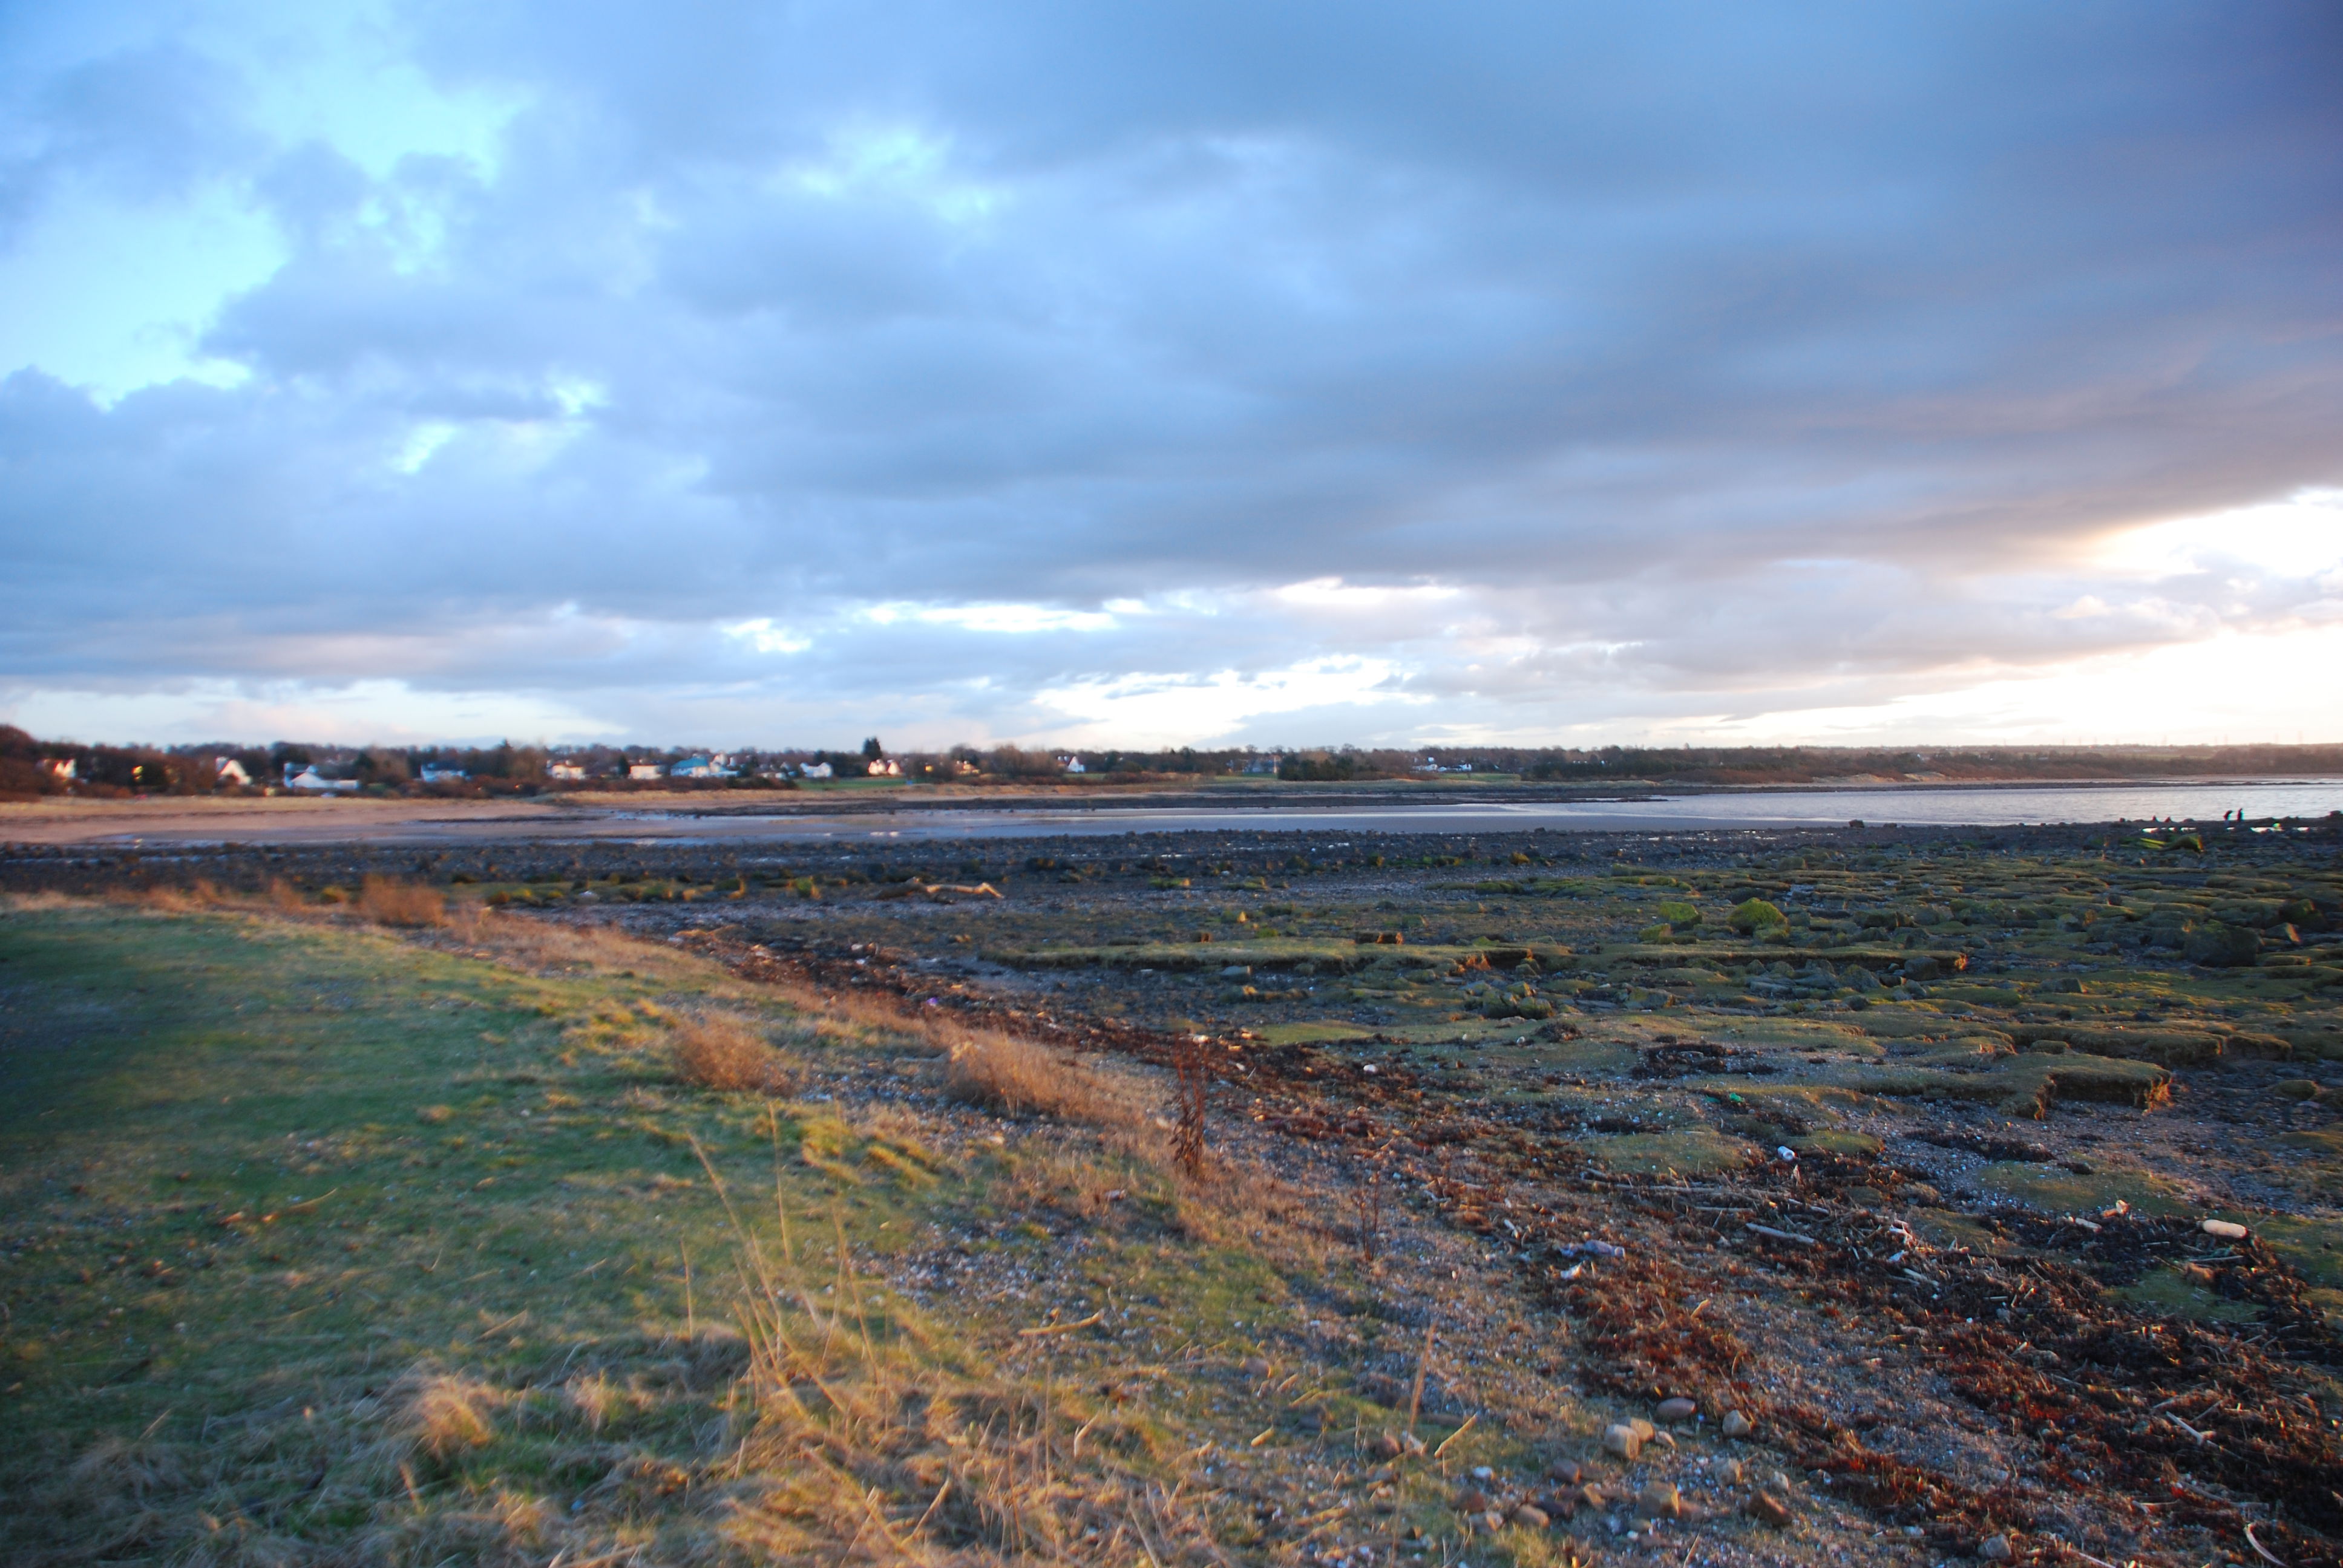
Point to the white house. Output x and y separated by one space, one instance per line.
60 769
645 770
227 771
564 770
815 770
699 768
309 779
886 768
438 772
1072 764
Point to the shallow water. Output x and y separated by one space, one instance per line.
1929 805
1935 806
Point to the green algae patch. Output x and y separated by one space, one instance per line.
2165 1293
2057 1191
1312 1033
2029 1084
1848 1145
2165 1046
2311 1248
1695 1151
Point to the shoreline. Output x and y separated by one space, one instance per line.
163 821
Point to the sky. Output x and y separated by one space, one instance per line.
1144 374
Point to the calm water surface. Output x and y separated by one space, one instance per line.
1934 806
1943 806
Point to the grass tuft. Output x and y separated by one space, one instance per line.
443 1415
1016 1077
721 1052
390 903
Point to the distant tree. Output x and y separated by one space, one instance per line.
382 765
21 772
871 750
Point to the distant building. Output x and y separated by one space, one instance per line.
1072 764
645 770
227 771
886 768
699 768
314 782
1261 765
443 773
565 770
815 770
60 769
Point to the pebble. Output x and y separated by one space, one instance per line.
1768 1509
1472 1500
1386 1446
1623 1441
1483 1472
1569 1472
1660 1499
1677 1410
1736 1424
1530 1516
2228 1231
1256 1367
1996 1548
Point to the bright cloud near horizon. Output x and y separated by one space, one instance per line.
1164 374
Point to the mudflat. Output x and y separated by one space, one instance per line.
1751 1196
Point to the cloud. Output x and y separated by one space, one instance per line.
1019 373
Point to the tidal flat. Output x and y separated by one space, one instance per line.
1721 1196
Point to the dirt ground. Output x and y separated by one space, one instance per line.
1892 1154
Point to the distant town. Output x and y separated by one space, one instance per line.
32 768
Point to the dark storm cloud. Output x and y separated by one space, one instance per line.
1696 351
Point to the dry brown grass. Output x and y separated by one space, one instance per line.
1017 1078
873 1443
442 1413
723 1052
392 903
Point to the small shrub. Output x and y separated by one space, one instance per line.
390 903
717 1050
1683 917
1753 915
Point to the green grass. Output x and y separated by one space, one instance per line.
315 1241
